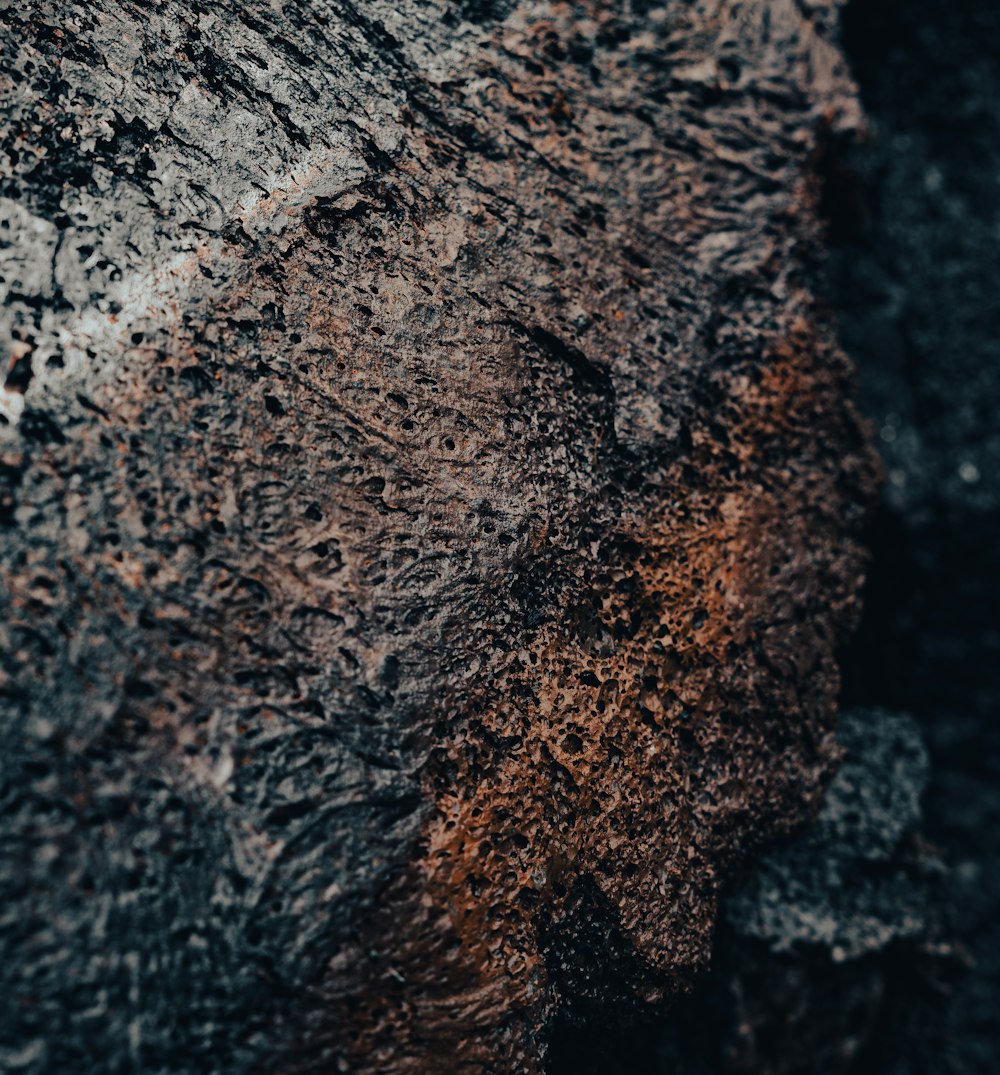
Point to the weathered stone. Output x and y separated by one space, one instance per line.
817 940
839 886
819 946
430 498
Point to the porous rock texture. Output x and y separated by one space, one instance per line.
430 498
817 944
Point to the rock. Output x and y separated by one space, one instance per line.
430 500
822 948
824 945
840 887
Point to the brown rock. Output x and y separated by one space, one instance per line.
431 516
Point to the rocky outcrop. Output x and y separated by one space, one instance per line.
430 510
839 886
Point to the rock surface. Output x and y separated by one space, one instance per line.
915 275
835 886
815 943
430 499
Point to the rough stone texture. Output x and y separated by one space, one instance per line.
817 943
430 498
831 887
914 264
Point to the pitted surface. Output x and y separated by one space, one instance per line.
430 498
